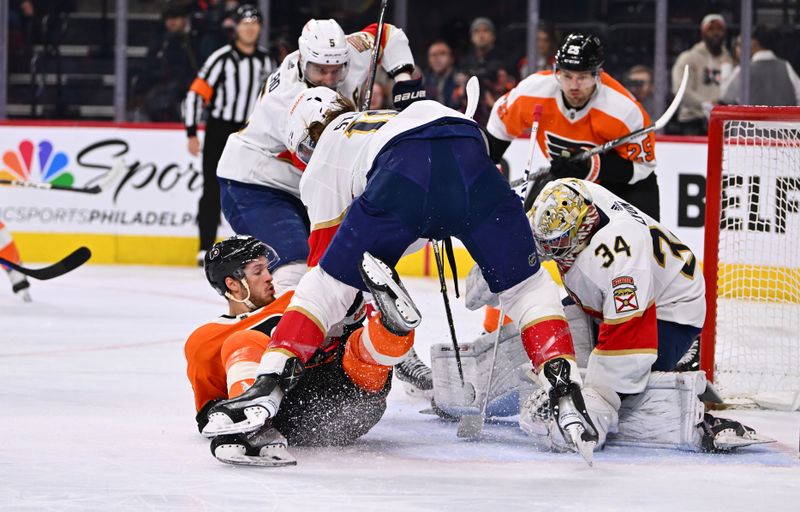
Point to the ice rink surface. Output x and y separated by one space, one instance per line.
98 415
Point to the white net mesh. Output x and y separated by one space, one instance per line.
757 347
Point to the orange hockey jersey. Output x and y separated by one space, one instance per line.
204 365
612 112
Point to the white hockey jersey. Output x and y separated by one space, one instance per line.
337 172
633 273
257 153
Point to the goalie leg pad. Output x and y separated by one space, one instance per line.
510 378
665 415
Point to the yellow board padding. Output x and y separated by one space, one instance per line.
770 284
109 248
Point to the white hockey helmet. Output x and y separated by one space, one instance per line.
563 219
309 106
323 43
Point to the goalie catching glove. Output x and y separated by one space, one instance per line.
251 410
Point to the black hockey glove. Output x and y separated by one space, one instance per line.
564 167
407 92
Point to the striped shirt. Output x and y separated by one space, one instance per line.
227 85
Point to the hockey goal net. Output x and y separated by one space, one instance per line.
750 344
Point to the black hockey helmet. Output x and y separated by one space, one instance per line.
580 52
247 12
229 257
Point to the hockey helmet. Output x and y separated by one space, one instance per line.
229 257
580 52
323 42
563 219
247 12
309 106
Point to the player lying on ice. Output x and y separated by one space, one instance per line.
377 182
342 393
260 178
644 291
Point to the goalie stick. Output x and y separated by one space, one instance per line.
660 123
376 50
74 260
471 425
116 170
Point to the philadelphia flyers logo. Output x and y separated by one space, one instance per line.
557 145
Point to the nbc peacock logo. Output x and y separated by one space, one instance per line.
52 165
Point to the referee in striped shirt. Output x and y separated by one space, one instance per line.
227 87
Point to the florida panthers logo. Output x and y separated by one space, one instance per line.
557 144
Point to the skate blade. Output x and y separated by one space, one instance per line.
584 448
221 424
470 426
271 456
730 442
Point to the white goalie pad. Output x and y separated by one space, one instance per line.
582 329
665 415
510 380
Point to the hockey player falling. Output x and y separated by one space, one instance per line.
582 107
342 393
375 183
259 178
645 290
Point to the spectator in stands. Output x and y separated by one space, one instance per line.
709 64
440 77
483 61
168 68
22 35
213 21
546 41
639 81
773 81
378 99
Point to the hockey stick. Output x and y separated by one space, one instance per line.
448 312
537 114
473 90
102 184
471 425
376 50
74 260
660 123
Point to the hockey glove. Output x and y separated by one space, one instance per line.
406 92
563 166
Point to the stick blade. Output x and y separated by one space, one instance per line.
74 260
470 426
473 90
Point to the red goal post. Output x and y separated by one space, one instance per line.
750 343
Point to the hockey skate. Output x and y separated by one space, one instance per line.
399 314
569 410
20 285
722 435
415 375
264 447
247 412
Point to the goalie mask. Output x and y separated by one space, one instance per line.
228 259
309 106
324 54
563 219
